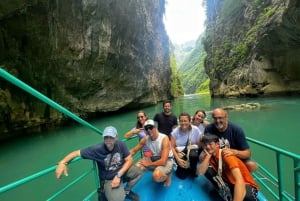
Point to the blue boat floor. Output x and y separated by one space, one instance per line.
189 189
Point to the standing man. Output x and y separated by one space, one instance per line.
161 161
166 120
234 172
232 138
114 166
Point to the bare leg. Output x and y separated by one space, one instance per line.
168 180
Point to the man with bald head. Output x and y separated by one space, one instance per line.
232 138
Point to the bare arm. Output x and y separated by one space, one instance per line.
116 181
204 163
241 154
173 146
239 187
132 132
138 146
62 165
126 165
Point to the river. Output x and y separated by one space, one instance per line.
276 123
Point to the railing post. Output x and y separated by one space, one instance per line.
280 175
96 174
297 179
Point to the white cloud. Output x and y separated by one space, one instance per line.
184 20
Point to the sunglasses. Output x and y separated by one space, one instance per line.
149 127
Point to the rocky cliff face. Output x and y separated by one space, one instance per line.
253 47
90 56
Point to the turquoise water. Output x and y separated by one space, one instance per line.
276 123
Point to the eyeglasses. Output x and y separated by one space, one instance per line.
218 118
149 127
140 117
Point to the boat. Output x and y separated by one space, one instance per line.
191 189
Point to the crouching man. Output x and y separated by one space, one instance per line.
161 160
234 180
115 165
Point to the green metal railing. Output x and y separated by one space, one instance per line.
51 169
281 194
267 179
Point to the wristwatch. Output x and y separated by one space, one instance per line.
119 175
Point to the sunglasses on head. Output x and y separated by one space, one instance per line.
149 127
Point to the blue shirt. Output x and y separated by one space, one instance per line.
102 156
234 135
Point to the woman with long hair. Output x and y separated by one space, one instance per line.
185 143
139 130
199 120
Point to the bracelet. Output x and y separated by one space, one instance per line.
62 163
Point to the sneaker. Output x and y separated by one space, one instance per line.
132 196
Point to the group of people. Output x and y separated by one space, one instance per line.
195 146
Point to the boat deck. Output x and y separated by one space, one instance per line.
189 189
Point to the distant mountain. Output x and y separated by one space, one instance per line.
182 51
190 60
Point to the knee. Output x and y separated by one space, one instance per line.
157 176
252 166
140 167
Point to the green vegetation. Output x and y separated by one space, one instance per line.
192 68
231 9
182 51
228 38
204 87
263 17
176 80
228 41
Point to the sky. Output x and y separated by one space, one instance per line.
184 20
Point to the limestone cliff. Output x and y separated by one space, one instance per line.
90 56
253 47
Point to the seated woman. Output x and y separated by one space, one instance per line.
199 120
185 142
139 130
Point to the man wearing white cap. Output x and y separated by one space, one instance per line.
114 166
161 161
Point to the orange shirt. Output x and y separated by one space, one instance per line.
231 162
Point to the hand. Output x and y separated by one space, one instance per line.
61 168
145 162
183 163
229 152
116 182
206 152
